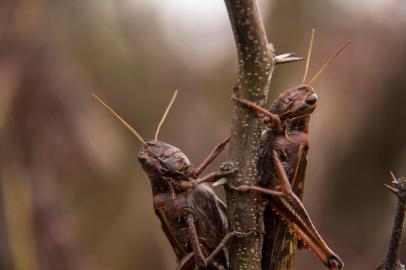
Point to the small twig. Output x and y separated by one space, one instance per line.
392 260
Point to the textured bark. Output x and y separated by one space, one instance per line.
392 260
255 69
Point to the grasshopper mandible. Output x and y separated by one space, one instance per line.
192 216
281 173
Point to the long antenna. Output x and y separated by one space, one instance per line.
121 120
309 54
165 114
329 62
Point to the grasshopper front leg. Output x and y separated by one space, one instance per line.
209 159
211 177
276 121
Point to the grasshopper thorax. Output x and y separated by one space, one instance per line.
161 159
299 101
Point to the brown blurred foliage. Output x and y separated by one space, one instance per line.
72 193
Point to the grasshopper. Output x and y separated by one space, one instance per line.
192 217
281 173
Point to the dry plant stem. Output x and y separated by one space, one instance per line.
394 246
255 69
392 261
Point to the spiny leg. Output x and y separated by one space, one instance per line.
217 250
194 240
298 178
212 156
184 262
296 217
197 251
299 167
223 243
213 176
281 174
294 214
257 189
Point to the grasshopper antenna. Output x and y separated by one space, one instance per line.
329 61
165 114
309 54
120 119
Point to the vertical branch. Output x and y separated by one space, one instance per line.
392 261
256 62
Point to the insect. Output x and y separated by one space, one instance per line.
192 216
281 173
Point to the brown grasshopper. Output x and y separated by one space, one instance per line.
281 174
192 216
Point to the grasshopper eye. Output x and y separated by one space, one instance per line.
312 99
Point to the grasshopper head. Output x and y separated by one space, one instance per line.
161 159
295 102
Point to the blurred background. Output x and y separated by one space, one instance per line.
73 195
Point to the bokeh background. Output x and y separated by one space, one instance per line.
73 195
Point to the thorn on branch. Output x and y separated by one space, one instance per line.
286 58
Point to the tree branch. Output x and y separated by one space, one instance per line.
392 261
256 63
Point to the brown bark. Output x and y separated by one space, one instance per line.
392 260
255 69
